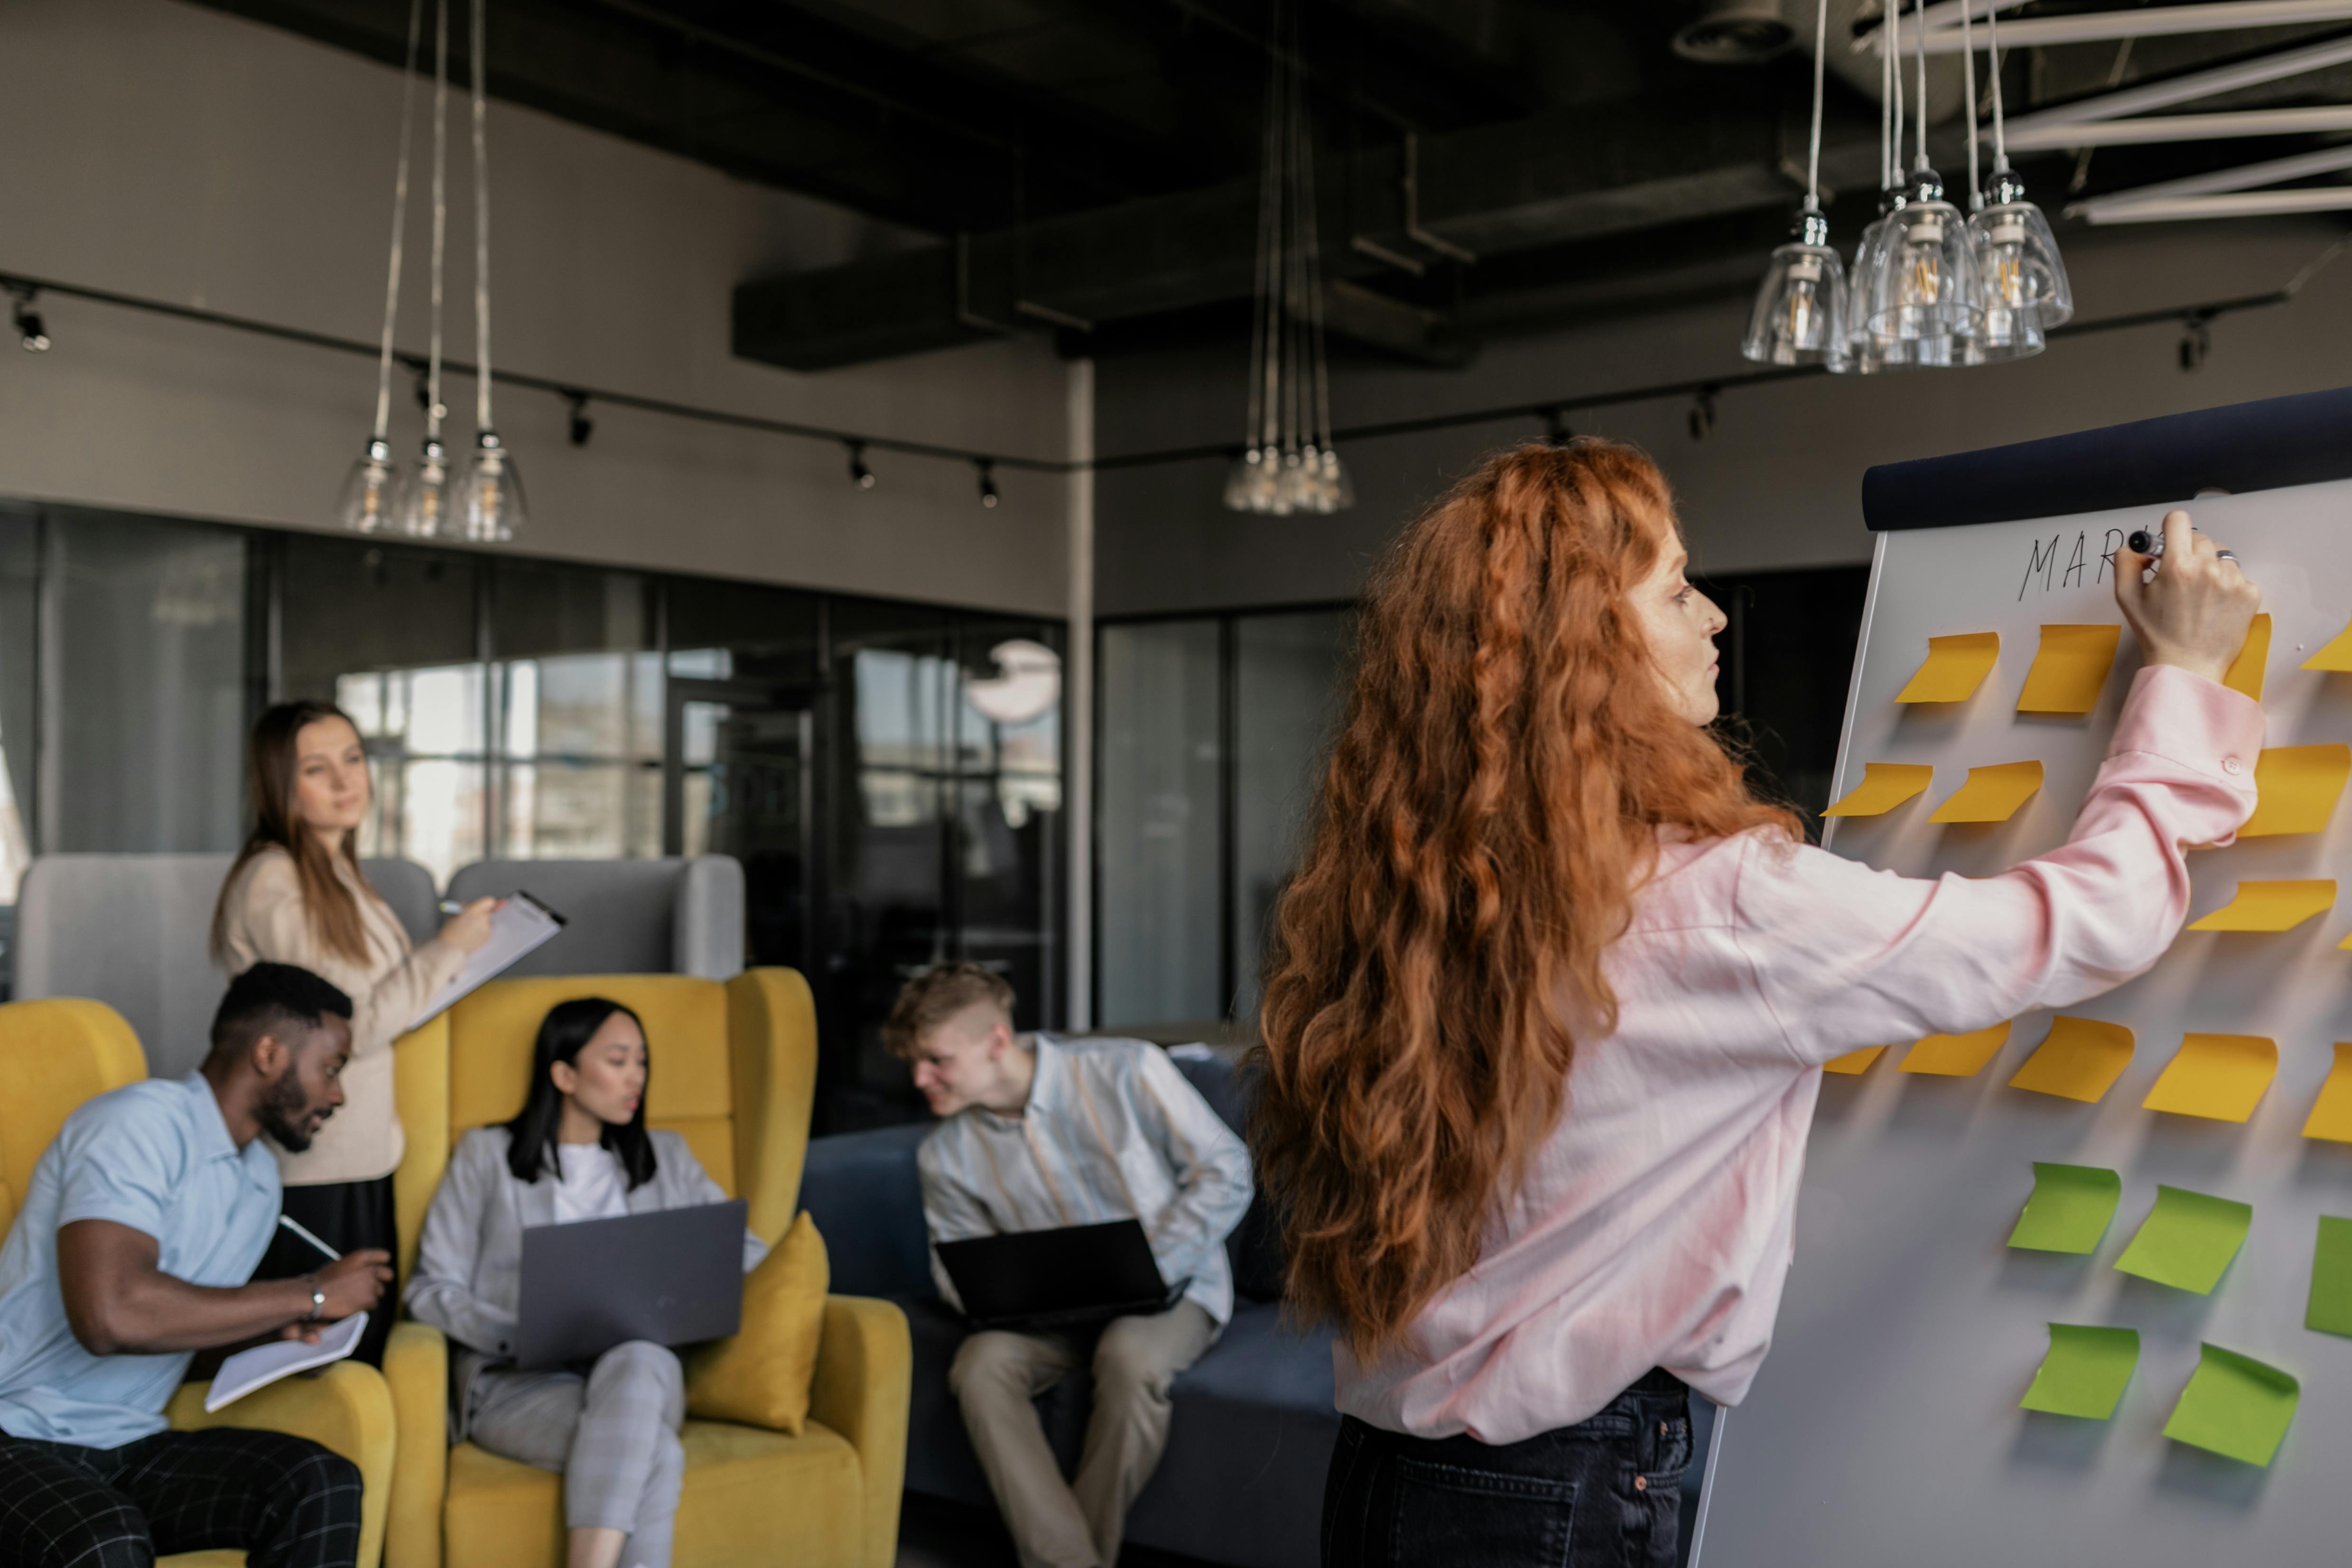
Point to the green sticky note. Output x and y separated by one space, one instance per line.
2187 1240
2331 1279
2235 1406
2069 1209
2085 1373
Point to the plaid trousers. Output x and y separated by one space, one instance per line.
612 1432
286 1502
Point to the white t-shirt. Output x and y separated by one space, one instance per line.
590 1183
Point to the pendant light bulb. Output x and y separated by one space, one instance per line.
369 489
2021 278
1925 286
423 508
494 508
1800 312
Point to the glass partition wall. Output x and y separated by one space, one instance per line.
1213 730
890 808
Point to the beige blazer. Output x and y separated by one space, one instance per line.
268 921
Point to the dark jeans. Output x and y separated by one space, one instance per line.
285 1501
1604 1493
346 1216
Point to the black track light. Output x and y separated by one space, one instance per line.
859 475
2196 342
1555 430
31 335
1702 415
988 497
582 427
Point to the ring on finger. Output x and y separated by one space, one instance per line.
2225 555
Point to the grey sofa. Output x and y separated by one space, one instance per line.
1242 1480
678 916
132 930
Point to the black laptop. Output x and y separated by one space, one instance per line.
673 1277
1069 1278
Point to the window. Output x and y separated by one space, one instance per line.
1161 825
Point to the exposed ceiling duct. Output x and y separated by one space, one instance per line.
1735 33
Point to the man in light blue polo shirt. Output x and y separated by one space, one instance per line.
142 1222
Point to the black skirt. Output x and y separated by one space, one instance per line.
346 1216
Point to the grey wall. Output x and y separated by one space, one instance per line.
1779 481
165 151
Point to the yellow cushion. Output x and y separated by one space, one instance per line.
761 1375
60 1052
749 1497
491 1033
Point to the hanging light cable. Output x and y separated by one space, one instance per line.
2022 286
1926 292
423 509
1288 464
365 505
1800 314
495 509
1868 352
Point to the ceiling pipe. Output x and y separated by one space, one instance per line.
2243 205
2183 128
2155 22
2275 171
2186 88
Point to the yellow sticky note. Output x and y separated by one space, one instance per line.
2336 656
1883 786
2296 789
2080 1060
2271 906
1956 1055
1855 1062
1956 667
2331 1113
1992 794
2220 1077
2070 668
2246 670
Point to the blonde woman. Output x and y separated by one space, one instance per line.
295 895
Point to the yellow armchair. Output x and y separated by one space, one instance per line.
56 1054
734 1067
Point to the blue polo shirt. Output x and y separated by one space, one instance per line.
157 1156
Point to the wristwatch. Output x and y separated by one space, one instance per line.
318 1299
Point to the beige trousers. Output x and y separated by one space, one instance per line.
1074 1524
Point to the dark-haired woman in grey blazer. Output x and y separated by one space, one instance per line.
579 1150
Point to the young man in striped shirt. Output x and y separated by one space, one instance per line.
1036 1133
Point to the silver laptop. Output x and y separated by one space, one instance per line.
673 1277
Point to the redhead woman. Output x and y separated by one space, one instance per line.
295 895
1548 998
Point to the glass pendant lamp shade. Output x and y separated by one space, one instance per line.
1924 286
423 511
1800 317
495 510
1339 490
366 503
2022 280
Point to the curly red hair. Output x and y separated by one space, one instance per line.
1492 804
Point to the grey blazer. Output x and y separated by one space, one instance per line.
468 1277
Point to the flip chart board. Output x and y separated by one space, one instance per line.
1885 1425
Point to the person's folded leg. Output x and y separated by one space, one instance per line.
625 1467
54 1512
286 1502
994 1377
1135 1361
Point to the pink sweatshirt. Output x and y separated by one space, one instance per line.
1652 1228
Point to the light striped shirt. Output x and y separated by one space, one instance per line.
1112 1131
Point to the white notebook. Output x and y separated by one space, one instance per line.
264 1364
522 926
